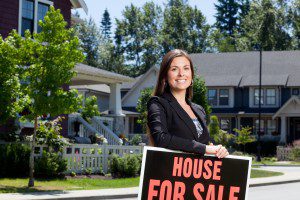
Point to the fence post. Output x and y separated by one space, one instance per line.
105 158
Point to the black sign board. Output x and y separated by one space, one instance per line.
168 175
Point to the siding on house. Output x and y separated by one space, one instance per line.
9 12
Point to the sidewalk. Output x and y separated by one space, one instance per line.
291 174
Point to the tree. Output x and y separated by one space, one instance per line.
224 138
51 57
227 16
214 127
200 94
90 38
106 24
295 22
243 136
142 106
184 27
265 25
12 99
90 109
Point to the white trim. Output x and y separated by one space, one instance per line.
80 4
293 98
35 14
230 97
138 83
264 97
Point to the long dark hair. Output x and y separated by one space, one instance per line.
162 85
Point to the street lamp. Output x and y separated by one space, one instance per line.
258 158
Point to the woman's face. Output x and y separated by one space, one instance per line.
179 74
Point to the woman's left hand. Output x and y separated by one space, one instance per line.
222 152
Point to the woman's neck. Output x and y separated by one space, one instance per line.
180 96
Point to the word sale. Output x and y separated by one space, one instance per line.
199 169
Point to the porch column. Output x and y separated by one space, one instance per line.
238 124
283 130
115 108
126 126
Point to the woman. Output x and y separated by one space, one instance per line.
174 122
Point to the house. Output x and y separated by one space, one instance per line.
232 80
25 14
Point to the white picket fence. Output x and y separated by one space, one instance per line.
95 157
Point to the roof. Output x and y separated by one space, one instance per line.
278 68
129 85
294 100
80 4
87 75
99 88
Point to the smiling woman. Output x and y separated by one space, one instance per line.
174 122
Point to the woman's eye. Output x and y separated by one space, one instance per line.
173 69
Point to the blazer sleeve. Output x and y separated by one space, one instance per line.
157 123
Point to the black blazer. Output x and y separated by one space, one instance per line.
171 127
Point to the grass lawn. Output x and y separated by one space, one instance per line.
268 162
255 173
19 185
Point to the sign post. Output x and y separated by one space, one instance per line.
168 175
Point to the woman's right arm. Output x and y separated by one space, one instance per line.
157 123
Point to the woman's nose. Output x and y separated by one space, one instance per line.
180 73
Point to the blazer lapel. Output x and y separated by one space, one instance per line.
199 115
182 114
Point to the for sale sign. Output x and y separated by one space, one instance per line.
176 175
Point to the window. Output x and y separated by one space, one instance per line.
42 10
256 97
271 126
27 16
212 97
271 97
268 126
31 12
225 124
295 91
224 97
218 97
262 126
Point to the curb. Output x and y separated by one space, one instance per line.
125 196
257 165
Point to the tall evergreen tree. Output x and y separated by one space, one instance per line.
295 22
266 25
227 16
106 25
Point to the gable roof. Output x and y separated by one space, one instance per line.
80 4
140 80
278 68
292 100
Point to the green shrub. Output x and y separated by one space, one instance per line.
50 165
295 155
214 127
136 140
87 171
73 174
127 166
14 159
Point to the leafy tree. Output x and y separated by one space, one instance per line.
90 38
142 106
12 99
90 109
200 94
214 127
243 136
184 27
51 58
295 22
266 25
224 138
106 24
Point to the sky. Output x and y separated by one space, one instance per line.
115 8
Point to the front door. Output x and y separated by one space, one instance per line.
295 129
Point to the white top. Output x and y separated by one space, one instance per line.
198 127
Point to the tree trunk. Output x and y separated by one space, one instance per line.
31 159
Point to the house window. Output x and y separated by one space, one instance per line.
42 10
271 97
31 11
271 126
212 97
295 91
256 97
224 97
262 126
225 124
27 16
218 97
